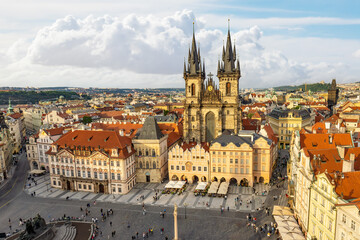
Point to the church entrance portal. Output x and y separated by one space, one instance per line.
210 126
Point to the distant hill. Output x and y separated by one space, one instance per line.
32 97
316 87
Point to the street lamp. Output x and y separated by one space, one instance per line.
185 205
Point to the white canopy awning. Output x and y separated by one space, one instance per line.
37 171
213 187
179 184
201 186
288 227
170 184
223 189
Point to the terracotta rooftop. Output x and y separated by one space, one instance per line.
325 141
347 184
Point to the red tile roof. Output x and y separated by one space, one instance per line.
347 185
97 140
16 115
322 141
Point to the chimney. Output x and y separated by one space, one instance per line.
348 165
341 151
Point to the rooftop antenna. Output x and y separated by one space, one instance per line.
229 24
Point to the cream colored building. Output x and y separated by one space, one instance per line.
32 152
33 118
56 117
93 161
189 162
6 149
245 158
151 152
348 220
284 122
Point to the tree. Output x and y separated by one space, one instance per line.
87 119
250 115
166 112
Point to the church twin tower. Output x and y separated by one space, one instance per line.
210 110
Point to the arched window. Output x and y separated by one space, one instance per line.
147 165
189 89
140 153
140 164
147 152
228 90
192 89
154 165
153 153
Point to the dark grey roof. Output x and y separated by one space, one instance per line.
168 118
150 130
248 137
303 113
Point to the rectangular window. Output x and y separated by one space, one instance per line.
113 176
194 168
218 160
219 169
106 175
79 186
224 153
231 170
247 170
118 176
231 161
236 160
199 168
54 182
177 168
214 169
118 164
72 173
205 169
95 174
89 174
87 162
344 218
352 225
100 176
94 162
172 167
224 169
183 168
322 218
236 170
105 163
330 225
112 163
82 161
89 187
53 170
241 170
83 174
119 189
84 186
241 161
63 171
255 167
224 160
99 162
247 161
263 167
58 171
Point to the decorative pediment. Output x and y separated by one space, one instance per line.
99 155
65 153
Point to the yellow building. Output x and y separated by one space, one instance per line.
322 214
32 152
189 162
284 122
242 159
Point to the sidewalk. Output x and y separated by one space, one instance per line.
10 174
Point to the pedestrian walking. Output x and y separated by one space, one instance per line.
110 224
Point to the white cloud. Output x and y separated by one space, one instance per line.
148 51
357 53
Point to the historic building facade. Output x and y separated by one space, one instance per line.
6 149
93 161
333 95
209 110
151 152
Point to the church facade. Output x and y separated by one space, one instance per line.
211 109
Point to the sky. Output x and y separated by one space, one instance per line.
143 44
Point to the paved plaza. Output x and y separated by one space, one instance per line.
196 221
244 195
